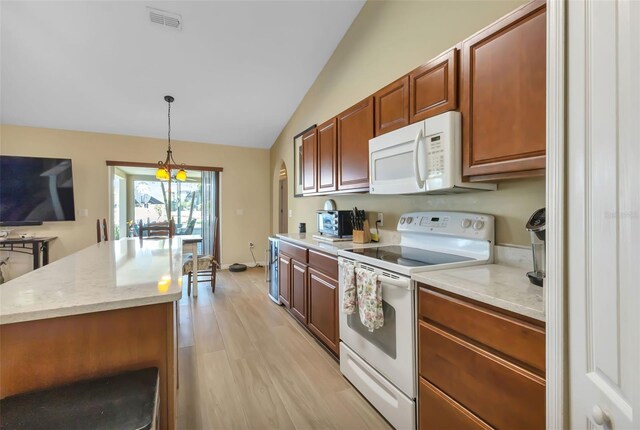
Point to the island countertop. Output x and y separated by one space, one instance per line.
109 275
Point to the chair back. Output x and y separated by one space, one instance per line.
101 235
157 231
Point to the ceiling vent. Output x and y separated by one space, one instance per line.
167 19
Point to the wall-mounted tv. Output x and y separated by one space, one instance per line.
34 189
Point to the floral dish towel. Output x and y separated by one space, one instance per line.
369 293
348 284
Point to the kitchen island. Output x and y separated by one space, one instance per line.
106 309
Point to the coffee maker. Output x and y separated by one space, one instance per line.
536 227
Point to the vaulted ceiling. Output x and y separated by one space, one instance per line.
237 69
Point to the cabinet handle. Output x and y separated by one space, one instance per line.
601 417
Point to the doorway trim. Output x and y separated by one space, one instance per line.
555 285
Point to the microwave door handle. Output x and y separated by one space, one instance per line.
416 166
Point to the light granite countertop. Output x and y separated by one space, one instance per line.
505 287
307 239
109 275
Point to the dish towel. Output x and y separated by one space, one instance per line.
369 293
348 283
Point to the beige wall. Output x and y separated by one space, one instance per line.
387 40
244 183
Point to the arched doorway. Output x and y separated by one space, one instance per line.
283 198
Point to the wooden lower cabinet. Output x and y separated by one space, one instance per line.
440 412
323 309
468 380
284 279
309 289
299 290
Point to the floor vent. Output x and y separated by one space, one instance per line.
167 19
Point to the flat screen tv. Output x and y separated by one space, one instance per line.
34 189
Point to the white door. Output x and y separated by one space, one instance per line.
604 213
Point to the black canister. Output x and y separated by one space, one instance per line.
302 228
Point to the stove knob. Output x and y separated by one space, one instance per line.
402 220
466 223
409 220
478 224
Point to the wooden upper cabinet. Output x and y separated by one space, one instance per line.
433 87
355 128
328 156
392 106
310 161
503 103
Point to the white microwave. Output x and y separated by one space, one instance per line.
425 157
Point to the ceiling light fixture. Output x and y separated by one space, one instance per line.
164 168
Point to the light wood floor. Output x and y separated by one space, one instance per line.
246 364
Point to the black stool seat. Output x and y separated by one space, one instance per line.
123 401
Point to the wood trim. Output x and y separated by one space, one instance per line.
537 173
155 165
555 282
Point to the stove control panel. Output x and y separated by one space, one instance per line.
460 224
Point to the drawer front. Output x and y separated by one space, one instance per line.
324 263
498 392
294 251
440 412
518 339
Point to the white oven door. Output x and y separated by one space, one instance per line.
396 160
391 348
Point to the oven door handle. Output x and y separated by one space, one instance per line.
404 283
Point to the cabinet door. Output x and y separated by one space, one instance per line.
310 161
323 309
503 85
392 106
355 128
299 290
284 279
328 156
433 87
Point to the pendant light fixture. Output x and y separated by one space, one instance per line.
164 168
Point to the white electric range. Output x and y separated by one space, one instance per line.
382 364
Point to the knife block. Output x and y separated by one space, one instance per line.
362 236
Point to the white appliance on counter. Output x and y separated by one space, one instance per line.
382 364
425 157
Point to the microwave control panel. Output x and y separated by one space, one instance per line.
435 156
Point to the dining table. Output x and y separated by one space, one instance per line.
190 245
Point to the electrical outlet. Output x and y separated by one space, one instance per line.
251 245
381 219
290 213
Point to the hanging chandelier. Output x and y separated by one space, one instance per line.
164 168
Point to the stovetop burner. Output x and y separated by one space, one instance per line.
410 257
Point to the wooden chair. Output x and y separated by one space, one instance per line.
156 231
104 235
207 264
